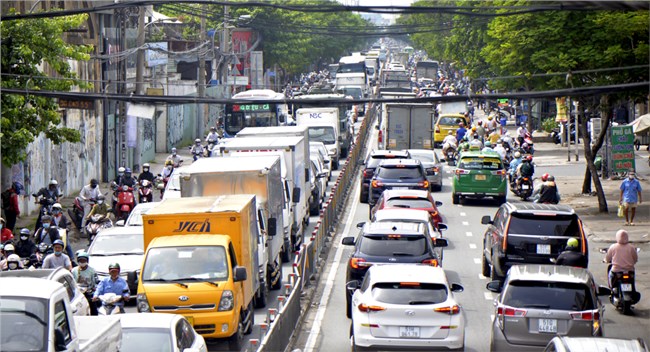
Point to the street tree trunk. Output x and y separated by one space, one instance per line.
591 174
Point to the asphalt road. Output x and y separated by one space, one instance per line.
326 327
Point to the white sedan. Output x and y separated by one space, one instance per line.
406 306
159 332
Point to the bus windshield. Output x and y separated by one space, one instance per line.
352 68
239 116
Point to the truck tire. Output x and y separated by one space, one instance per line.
278 284
259 301
236 341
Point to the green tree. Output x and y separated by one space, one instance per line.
31 51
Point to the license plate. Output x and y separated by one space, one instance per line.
547 325
190 320
543 249
400 188
524 186
480 177
409 331
626 287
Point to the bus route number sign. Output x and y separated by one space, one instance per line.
251 108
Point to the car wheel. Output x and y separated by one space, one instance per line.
363 197
485 267
455 198
236 341
314 206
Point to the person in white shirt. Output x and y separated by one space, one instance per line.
89 194
501 150
449 142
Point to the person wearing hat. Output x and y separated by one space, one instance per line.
572 256
460 132
58 258
85 276
10 205
25 247
58 218
13 262
113 284
488 147
5 234
146 174
89 193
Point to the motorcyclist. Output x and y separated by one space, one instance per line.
89 193
548 192
460 132
5 234
100 208
212 138
47 233
167 170
572 256
58 258
113 284
494 137
60 220
514 165
480 130
9 253
475 143
86 277
449 142
128 179
622 255
120 175
521 134
197 149
46 197
491 124
25 247
13 262
526 169
488 147
175 158
146 174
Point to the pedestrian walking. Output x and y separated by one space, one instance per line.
10 204
630 197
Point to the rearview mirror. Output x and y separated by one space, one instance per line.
239 274
438 203
442 227
348 241
272 227
440 242
351 286
295 196
457 287
604 291
494 286
486 220
360 225
119 223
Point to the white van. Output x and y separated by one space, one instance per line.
323 124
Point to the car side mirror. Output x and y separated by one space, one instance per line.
438 203
272 227
295 195
456 287
604 291
348 241
442 227
494 286
352 286
486 220
360 225
120 223
440 242
239 274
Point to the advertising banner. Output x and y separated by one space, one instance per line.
560 105
622 148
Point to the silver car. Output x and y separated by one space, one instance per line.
433 168
539 302
595 344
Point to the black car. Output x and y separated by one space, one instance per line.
397 174
528 233
390 243
371 163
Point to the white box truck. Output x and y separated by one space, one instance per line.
294 167
323 126
409 126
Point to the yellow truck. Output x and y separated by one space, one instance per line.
201 262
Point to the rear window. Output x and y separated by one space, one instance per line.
548 295
531 224
445 120
409 203
480 163
376 159
399 172
425 158
393 245
409 293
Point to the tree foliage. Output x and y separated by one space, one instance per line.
28 46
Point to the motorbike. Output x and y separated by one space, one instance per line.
556 134
207 149
451 156
523 188
145 192
624 294
528 139
36 259
109 304
76 213
161 184
196 153
125 202
46 207
95 224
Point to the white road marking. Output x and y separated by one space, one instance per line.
472 246
465 223
491 317
481 277
488 296
460 205
477 260
463 214
468 234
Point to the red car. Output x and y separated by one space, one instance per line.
409 199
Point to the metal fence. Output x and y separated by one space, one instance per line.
281 322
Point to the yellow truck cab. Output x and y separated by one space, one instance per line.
201 262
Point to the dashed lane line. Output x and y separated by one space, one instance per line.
472 246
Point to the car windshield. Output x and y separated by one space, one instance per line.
186 263
423 157
408 203
532 224
393 245
548 295
449 121
25 317
399 173
409 293
476 163
323 134
119 244
144 340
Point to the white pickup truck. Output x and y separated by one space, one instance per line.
35 315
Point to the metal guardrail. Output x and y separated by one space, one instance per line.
280 322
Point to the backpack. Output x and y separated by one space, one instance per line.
6 200
527 169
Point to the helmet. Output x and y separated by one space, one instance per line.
551 178
13 262
525 145
474 129
480 122
127 170
489 117
82 254
113 266
9 247
13 258
145 165
53 182
545 177
121 170
213 128
529 158
168 162
197 141
101 197
488 144
24 231
450 132
517 155
572 243
174 150
60 242
57 206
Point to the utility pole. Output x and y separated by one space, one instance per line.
225 49
200 125
123 16
139 87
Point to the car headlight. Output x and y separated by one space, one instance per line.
227 301
143 303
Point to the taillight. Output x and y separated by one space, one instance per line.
380 139
583 239
626 277
504 245
432 262
367 309
587 315
376 183
462 172
455 309
511 312
357 263
501 173
437 129
424 184
367 173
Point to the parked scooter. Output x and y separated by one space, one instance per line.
109 306
125 202
624 294
95 224
145 192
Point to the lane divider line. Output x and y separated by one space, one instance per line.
477 260
468 234
488 296
472 246
465 223
481 277
463 214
